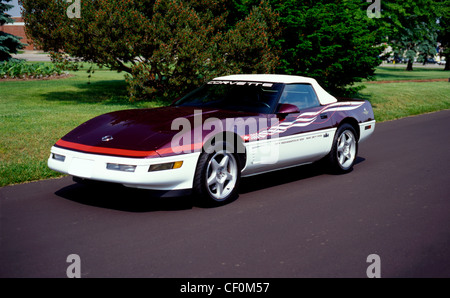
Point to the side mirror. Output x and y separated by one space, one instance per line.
287 108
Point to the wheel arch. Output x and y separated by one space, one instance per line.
233 139
354 123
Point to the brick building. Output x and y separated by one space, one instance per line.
18 29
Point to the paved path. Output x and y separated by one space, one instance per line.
299 222
33 56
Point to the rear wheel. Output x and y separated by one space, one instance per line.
217 175
345 149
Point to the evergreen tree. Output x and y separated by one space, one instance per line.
333 41
9 44
166 47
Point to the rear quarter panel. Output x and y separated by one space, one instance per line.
357 112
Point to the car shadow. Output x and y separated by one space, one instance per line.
280 177
118 197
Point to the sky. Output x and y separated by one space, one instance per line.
15 11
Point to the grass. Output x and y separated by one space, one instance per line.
397 100
397 73
34 114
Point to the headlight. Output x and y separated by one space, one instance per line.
119 167
165 166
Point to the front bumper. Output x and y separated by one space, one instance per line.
94 167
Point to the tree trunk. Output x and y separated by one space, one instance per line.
409 67
123 67
447 63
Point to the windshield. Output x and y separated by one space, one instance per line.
232 95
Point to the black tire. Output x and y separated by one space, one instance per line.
344 150
217 176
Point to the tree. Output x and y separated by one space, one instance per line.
9 44
196 46
250 45
166 47
444 30
332 41
412 28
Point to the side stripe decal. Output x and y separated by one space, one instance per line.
304 119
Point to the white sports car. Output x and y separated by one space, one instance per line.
231 127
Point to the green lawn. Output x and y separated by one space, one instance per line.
396 100
398 72
35 114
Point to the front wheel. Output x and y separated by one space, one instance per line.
344 150
217 175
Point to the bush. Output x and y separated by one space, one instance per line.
19 69
332 41
166 47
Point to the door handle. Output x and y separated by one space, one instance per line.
323 116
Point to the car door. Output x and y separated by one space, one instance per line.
300 137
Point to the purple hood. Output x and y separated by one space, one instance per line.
138 129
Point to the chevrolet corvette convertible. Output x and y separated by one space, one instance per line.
231 127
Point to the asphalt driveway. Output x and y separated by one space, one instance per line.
300 222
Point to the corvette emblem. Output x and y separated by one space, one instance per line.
107 138
365 111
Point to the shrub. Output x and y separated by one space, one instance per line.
166 47
19 69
